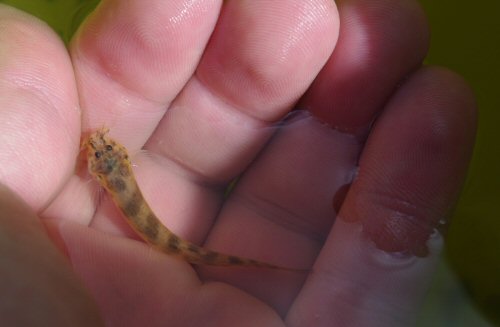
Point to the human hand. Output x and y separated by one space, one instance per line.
226 80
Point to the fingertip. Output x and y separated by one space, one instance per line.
414 162
380 43
40 118
458 97
280 48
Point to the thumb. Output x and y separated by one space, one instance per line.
35 276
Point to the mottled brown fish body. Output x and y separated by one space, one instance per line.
109 163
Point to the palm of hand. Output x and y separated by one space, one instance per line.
223 100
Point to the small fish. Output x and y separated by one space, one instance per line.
108 161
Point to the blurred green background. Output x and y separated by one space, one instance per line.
466 38
64 16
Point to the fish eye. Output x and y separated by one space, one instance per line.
109 148
97 154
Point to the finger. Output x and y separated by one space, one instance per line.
35 278
285 196
280 210
157 290
132 58
380 43
39 119
261 57
378 260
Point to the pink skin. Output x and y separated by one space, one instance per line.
226 72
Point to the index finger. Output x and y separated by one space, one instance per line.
382 253
131 58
